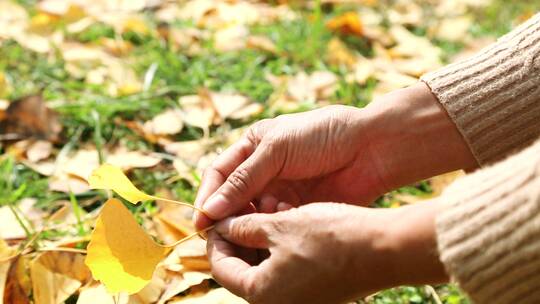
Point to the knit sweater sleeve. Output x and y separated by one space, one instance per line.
488 235
494 96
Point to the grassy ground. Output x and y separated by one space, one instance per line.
92 114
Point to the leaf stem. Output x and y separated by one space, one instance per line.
63 249
179 203
180 241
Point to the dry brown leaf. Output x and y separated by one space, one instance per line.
454 28
190 151
167 123
184 171
30 117
363 70
68 183
5 252
348 24
181 283
231 38
179 218
10 227
310 88
80 163
67 263
197 111
131 159
116 47
216 14
45 168
51 287
18 285
13 19
233 105
39 150
262 43
406 13
151 293
97 293
214 296
339 54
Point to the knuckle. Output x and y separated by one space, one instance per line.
254 132
239 180
240 228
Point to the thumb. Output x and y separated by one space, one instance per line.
249 230
245 182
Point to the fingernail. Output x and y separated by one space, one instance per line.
223 227
283 206
215 206
195 216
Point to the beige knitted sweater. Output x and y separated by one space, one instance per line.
489 233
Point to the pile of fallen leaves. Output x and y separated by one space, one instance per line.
157 89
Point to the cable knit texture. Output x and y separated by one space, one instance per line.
489 233
494 96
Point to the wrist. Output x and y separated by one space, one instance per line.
411 231
412 137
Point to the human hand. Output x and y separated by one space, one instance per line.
326 252
296 158
336 153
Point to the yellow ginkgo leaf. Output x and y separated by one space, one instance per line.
120 254
111 177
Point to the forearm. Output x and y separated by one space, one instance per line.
412 137
403 247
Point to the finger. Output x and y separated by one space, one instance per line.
282 206
215 175
245 182
247 230
224 164
268 203
228 270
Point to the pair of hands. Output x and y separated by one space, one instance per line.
276 250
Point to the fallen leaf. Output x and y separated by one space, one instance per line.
231 38
97 293
30 117
120 254
5 252
191 150
214 296
111 177
339 54
261 43
50 287
196 111
68 183
454 29
232 105
153 290
349 24
10 228
310 88
131 159
167 123
70 264
182 283
18 285
39 150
